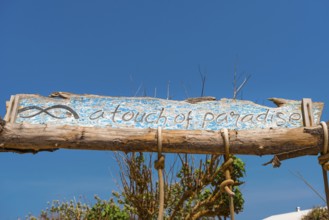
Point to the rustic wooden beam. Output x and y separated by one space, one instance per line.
34 123
29 138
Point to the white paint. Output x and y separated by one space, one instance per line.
297 215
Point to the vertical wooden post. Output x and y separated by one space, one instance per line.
159 165
227 170
323 164
326 187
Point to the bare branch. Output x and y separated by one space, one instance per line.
241 86
139 88
236 79
168 90
185 90
300 176
203 81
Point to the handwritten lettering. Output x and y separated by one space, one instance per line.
209 119
161 116
128 116
294 117
123 114
96 115
150 115
115 112
179 118
141 117
281 120
264 118
188 119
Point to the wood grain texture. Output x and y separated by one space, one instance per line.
33 138
88 122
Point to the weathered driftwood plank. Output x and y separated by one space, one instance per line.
35 123
142 113
33 138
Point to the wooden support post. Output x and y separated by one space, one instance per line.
323 163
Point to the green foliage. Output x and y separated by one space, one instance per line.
317 213
193 192
106 210
101 210
197 190
238 170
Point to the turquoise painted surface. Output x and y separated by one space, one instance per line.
130 112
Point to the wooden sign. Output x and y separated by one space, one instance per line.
34 123
143 113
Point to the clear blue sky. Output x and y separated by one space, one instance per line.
115 47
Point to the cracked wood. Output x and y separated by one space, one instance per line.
33 138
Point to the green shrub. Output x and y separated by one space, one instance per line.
72 210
